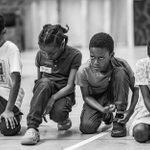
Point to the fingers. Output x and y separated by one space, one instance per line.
11 122
121 121
7 123
15 120
112 108
120 112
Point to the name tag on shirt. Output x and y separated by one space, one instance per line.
45 69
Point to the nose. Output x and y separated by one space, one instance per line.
96 61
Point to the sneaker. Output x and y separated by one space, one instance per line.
65 125
108 118
119 129
31 137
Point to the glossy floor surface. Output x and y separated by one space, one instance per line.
51 138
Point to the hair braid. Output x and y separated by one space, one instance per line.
53 33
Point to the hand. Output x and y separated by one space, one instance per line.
106 109
110 108
9 118
49 106
126 117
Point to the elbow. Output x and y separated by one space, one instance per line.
17 82
70 87
136 91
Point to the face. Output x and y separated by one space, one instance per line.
100 58
52 51
2 34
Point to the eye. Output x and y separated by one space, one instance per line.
92 57
100 58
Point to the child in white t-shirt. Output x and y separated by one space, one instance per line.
139 124
11 95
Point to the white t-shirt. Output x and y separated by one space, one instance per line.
142 77
9 62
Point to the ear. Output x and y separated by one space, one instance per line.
112 54
62 44
3 31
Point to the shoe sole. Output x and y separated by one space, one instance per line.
29 142
118 135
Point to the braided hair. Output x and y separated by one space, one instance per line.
2 23
53 34
102 40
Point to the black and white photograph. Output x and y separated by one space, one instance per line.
74 74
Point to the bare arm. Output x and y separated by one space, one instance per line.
16 80
62 92
69 87
8 114
39 74
90 100
146 95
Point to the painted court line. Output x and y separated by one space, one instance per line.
75 146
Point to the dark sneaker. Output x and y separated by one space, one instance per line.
119 129
65 125
108 118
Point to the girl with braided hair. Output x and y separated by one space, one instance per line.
53 92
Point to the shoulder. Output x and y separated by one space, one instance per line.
121 60
39 55
143 62
84 67
11 46
142 65
73 51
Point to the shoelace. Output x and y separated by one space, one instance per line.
30 133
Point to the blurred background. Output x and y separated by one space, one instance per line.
128 21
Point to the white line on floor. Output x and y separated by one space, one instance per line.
75 146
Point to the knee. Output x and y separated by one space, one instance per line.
120 73
141 133
87 127
45 82
8 131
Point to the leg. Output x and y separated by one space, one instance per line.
90 120
3 128
42 91
120 85
141 132
60 112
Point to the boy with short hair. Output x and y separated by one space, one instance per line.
104 81
11 95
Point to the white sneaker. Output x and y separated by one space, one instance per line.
31 137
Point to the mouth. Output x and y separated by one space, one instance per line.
96 67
